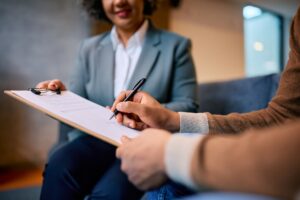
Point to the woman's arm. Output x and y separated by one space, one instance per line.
79 74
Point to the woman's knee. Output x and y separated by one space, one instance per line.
60 162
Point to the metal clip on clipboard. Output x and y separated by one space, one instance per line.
39 91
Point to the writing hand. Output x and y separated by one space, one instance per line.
144 112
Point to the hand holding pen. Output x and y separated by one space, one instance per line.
137 86
144 111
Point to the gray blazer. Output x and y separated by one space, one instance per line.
165 61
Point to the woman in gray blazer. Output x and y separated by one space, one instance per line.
107 64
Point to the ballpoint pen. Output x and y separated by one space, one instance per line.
137 86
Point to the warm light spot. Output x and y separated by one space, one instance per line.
258 46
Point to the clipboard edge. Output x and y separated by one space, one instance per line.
61 119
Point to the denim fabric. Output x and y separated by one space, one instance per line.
168 191
226 196
86 166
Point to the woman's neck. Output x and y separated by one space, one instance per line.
125 34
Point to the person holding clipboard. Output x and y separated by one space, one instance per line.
107 64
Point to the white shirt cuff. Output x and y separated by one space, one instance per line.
193 122
178 158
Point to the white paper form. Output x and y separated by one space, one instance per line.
80 111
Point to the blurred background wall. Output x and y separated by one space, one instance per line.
216 30
40 39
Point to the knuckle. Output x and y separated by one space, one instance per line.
123 167
118 153
131 178
126 104
142 187
122 93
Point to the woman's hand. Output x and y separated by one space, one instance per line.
51 85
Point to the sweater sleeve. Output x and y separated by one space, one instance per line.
178 156
264 161
193 122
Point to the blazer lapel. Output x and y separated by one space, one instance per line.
105 71
148 56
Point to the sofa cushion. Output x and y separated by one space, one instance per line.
241 95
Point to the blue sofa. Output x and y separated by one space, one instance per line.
241 95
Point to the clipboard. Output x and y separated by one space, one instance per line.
77 112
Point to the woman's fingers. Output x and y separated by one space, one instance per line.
43 84
51 85
56 84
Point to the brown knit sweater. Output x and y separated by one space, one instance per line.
283 107
265 161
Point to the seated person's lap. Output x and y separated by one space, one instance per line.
83 165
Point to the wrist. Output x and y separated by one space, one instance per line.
193 123
179 154
172 121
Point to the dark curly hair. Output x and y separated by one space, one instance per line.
95 9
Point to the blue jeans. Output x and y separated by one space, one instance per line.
226 196
173 190
168 191
86 168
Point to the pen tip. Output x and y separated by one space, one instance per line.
111 117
